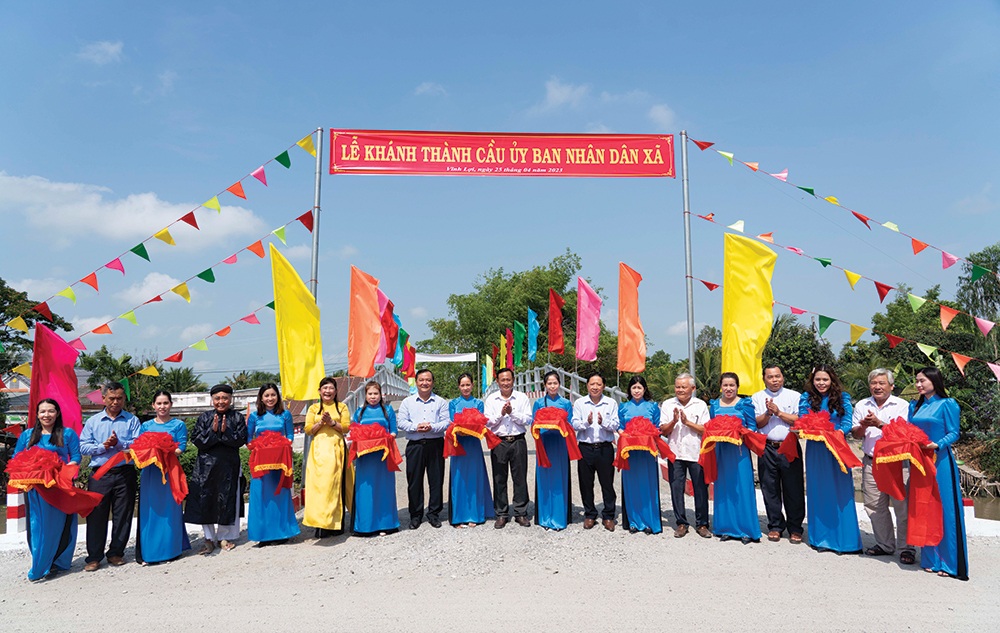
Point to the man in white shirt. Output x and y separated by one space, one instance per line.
424 417
781 483
508 414
682 422
595 420
870 415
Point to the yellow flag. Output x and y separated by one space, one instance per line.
852 278
832 200
24 369
490 372
503 352
68 293
18 324
213 204
856 332
746 308
300 345
150 371
130 317
182 290
165 236
307 144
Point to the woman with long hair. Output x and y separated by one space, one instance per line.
374 510
272 516
329 476
470 500
937 415
830 513
641 482
553 497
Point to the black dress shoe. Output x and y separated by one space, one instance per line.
435 522
725 537
501 522
746 540
415 523
523 521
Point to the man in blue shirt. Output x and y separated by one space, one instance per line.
424 418
104 436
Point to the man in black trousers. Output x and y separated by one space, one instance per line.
508 414
595 420
424 418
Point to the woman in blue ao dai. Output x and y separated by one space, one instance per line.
470 500
374 510
641 482
553 499
831 515
272 516
734 510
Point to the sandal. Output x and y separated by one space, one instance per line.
774 536
876 551
207 548
227 545
907 558
795 538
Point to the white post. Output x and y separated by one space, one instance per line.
687 251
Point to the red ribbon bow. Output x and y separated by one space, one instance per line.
729 429
553 419
904 442
372 438
471 423
816 427
640 435
269 451
41 470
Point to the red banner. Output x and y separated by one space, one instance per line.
484 154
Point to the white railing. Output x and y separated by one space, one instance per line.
572 386
393 386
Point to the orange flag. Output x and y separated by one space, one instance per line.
364 325
631 338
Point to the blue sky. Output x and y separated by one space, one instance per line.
116 119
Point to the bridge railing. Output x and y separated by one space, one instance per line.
393 386
572 386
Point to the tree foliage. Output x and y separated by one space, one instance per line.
796 348
251 379
105 367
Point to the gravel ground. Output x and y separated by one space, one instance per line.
483 579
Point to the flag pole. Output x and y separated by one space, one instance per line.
314 270
687 251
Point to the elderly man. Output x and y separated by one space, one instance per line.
104 436
682 422
424 418
781 482
595 420
508 414
215 498
870 415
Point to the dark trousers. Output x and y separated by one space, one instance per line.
597 458
510 455
782 482
118 486
425 456
679 471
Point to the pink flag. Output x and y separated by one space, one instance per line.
52 376
251 319
116 264
230 260
796 310
260 175
984 325
383 302
588 321
995 369
947 260
781 175
95 397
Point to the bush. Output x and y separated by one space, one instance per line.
989 460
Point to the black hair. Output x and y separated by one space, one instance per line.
162 392
639 380
505 369
279 408
729 374
835 394
56 436
423 371
330 380
932 374
381 401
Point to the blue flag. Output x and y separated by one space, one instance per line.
532 335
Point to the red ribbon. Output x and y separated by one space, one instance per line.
904 442
471 423
154 448
640 435
553 419
373 438
816 427
729 429
272 451
41 470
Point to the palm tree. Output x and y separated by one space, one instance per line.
181 379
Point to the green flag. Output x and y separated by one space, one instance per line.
978 271
824 323
207 275
284 159
916 302
823 260
520 331
140 250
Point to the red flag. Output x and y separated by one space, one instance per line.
189 219
631 338
52 376
43 309
882 289
389 327
709 284
174 358
307 220
556 304
893 340
702 145
510 348
496 352
864 219
409 361
364 328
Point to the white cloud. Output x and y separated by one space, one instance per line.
299 251
680 328
86 324
346 251
978 203
79 211
154 284
431 89
663 117
101 53
193 333
559 94
418 312
38 289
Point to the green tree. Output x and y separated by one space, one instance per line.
251 379
982 296
181 380
105 367
795 348
708 337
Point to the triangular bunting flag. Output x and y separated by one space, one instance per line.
960 361
130 317
155 299
101 329
91 280
856 332
702 145
710 217
18 324
95 396
893 340
251 319
307 144
753 166
947 260
68 293
200 345
892 226
709 284
128 388
795 249
824 323
916 302
207 275
917 245
140 250
826 261
270 305
947 314
984 325
832 200
284 159
928 350
182 290
852 278
116 264
175 358
230 260
24 369
809 190
307 220
978 271
280 234
736 226
882 290
996 370
864 219
796 310
77 344
257 249
260 175
43 309
767 237
213 203
150 371
727 155
237 190
781 175
164 236
190 219
224 331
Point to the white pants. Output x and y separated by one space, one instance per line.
229 532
